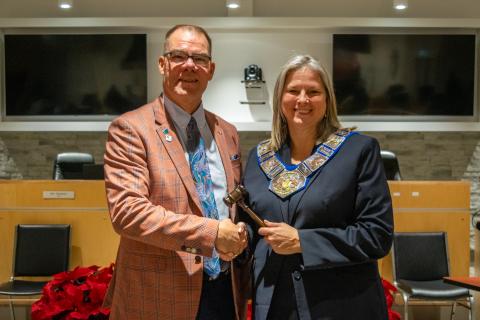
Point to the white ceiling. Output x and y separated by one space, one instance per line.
260 8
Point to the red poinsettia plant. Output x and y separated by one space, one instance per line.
389 289
74 295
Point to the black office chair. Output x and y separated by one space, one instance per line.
390 164
420 261
40 251
93 171
69 165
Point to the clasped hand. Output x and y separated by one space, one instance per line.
282 237
231 239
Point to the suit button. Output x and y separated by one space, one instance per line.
297 275
198 259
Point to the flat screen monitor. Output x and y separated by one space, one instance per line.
61 75
426 75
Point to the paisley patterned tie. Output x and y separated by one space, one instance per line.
203 183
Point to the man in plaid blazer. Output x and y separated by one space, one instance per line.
154 204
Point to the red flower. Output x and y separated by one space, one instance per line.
74 295
389 289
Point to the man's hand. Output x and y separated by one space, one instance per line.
231 239
283 238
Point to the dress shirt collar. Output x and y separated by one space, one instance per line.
181 118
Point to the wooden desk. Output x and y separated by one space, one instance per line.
93 240
418 206
465 282
431 206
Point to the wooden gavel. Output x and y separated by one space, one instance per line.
237 195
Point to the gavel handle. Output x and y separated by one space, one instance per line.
252 214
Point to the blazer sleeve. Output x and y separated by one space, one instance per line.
133 215
370 235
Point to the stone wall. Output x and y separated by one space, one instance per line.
30 155
422 156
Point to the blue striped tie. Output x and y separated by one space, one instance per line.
203 183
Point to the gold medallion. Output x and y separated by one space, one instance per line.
287 182
284 182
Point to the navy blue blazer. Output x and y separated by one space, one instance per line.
345 223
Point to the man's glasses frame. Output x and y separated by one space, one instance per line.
180 57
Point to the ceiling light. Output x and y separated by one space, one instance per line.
65 4
233 4
400 4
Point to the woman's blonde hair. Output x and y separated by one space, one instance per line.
327 125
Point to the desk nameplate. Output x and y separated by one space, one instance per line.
59 195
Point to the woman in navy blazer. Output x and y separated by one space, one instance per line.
325 200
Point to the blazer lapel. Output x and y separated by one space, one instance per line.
174 149
297 198
222 147
284 209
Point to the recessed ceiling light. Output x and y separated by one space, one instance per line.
65 4
233 4
400 4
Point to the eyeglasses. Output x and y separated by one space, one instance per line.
180 57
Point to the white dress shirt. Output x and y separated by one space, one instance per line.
181 118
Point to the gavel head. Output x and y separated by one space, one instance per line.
237 194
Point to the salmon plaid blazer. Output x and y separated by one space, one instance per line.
155 209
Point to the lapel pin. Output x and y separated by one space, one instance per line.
168 137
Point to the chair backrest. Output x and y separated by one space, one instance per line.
390 164
41 249
420 256
69 165
93 171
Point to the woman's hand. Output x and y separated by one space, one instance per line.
283 238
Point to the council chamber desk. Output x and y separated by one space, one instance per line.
432 206
80 203
418 206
